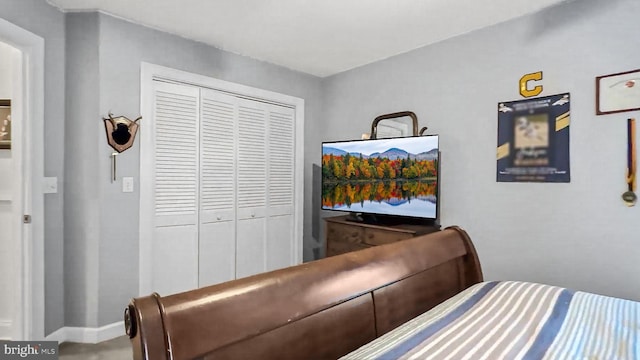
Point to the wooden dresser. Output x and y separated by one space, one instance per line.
344 236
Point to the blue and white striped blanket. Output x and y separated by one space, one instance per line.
515 320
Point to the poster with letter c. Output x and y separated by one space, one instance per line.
533 140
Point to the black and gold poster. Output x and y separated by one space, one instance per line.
533 140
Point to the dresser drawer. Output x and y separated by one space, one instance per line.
344 233
381 237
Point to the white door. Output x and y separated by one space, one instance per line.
6 235
217 235
220 182
257 169
280 221
8 209
266 162
25 241
252 187
174 265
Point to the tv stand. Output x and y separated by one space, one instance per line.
386 220
350 233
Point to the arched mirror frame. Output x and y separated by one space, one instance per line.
411 114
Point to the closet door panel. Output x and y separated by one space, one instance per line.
217 156
251 213
251 247
175 126
174 260
281 153
218 113
175 188
217 261
279 242
251 159
281 187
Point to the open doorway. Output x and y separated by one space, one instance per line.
21 173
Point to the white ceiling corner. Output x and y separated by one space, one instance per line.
321 38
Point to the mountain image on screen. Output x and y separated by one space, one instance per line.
393 154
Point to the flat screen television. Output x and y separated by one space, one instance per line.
382 180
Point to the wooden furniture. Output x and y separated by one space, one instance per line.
318 310
344 236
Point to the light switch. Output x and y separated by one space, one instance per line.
127 184
50 185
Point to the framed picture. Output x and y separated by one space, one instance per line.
5 124
618 92
533 140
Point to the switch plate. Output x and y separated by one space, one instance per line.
127 184
50 185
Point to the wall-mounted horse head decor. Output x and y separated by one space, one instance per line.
120 131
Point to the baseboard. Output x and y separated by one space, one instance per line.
58 335
5 329
87 335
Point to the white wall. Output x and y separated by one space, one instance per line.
81 198
6 178
578 235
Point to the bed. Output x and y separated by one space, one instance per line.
422 298
515 320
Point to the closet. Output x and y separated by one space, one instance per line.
222 184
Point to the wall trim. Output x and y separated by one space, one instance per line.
87 335
5 329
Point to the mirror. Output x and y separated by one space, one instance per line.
398 124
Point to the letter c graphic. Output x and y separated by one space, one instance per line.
524 81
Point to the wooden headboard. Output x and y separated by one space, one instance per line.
318 310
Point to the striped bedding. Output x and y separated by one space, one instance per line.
515 320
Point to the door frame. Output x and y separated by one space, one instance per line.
27 154
150 72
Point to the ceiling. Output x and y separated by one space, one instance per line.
318 37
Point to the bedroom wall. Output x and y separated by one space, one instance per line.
579 234
83 211
46 21
103 225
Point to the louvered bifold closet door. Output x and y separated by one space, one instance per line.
251 188
281 165
175 182
217 187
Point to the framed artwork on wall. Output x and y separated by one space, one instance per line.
533 140
618 92
5 124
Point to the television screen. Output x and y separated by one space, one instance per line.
397 176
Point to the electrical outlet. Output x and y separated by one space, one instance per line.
127 184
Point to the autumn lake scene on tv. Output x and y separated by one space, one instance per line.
371 177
